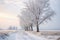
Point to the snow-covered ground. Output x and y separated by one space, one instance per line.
24 35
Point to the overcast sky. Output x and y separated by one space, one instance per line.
9 9
55 23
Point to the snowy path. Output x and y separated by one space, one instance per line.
22 35
27 36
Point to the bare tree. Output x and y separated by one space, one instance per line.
36 12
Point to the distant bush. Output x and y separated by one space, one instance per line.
58 38
4 35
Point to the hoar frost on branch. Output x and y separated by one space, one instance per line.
35 13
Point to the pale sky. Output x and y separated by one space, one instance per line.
9 9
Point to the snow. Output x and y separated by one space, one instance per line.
25 35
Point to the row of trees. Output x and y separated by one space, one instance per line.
35 13
12 28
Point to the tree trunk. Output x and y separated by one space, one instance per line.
31 28
26 28
37 27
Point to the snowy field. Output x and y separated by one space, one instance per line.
27 35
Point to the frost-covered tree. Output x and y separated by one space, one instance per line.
36 12
24 23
